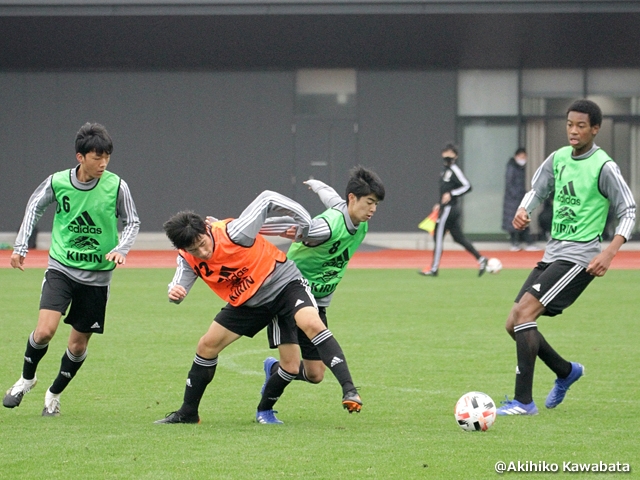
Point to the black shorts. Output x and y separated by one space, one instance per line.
88 303
247 321
556 285
307 349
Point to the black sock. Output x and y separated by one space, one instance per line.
32 356
200 375
527 346
332 356
553 360
302 376
273 389
69 366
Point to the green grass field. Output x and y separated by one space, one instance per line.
414 345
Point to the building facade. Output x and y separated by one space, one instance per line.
211 103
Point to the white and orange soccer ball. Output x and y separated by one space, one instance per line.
475 411
494 265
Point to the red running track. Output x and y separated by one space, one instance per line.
386 258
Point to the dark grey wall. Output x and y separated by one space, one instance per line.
405 119
211 141
205 141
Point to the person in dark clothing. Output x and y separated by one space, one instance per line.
514 190
453 184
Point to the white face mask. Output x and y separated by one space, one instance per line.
521 161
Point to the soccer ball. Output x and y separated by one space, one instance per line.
475 411
494 265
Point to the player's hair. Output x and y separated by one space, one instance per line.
363 182
450 146
184 228
590 108
93 137
519 151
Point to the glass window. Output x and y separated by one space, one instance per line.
329 93
477 92
614 82
487 148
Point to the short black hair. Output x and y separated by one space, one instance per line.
363 182
184 228
93 137
450 146
519 151
590 108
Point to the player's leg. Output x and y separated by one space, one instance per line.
284 372
453 225
71 361
202 372
86 317
331 354
568 282
438 241
54 299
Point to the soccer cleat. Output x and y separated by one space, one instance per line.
483 265
51 404
267 365
352 401
428 273
559 390
178 417
14 395
514 407
268 417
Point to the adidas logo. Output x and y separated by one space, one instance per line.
298 302
567 195
83 223
536 287
189 382
338 262
517 370
226 273
335 361
95 325
28 359
65 374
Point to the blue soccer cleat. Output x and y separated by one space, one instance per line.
267 365
559 390
514 407
267 417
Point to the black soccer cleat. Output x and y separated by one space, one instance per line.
483 265
352 401
178 417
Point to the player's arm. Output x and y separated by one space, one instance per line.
286 227
542 184
40 199
126 210
244 229
612 185
328 196
183 280
465 184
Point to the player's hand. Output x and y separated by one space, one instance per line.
115 257
521 219
446 198
177 293
290 233
314 185
600 264
208 220
17 261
